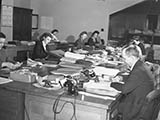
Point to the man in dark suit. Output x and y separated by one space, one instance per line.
136 87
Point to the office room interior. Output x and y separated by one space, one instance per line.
117 21
70 17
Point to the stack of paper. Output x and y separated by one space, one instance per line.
100 88
81 51
96 96
71 65
50 65
65 71
5 80
74 55
68 59
105 71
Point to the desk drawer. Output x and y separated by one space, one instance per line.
11 105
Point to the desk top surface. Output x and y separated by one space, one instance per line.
28 88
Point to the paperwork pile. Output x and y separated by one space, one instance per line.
101 88
74 55
65 71
23 75
5 80
71 57
71 65
105 71
68 59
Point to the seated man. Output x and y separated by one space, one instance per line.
4 62
136 87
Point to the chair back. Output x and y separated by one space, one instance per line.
151 106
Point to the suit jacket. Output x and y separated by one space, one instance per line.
39 51
3 56
135 89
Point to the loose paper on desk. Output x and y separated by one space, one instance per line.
100 88
65 71
50 65
71 65
74 55
96 96
105 71
5 80
68 59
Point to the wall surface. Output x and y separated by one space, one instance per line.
73 16
22 3
117 5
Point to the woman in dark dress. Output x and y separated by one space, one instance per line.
94 41
40 49
80 42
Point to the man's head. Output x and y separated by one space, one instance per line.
46 37
131 54
136 42
136 39
54 32
2 39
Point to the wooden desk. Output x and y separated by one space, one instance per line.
19 98
19 53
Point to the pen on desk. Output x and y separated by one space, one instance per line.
60 84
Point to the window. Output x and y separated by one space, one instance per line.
34 21
152 22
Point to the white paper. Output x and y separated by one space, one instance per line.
4 80
97 96
100 88
66 59
74 55
71 65
105 71
50 65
